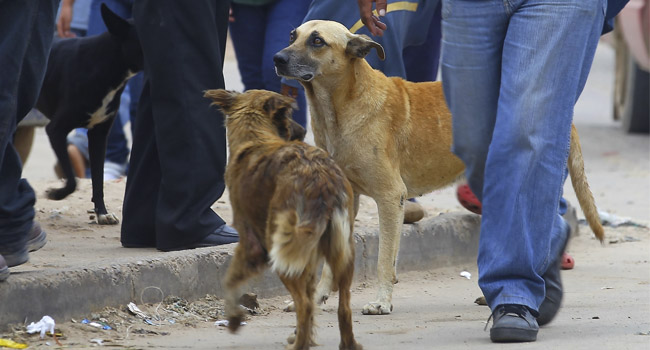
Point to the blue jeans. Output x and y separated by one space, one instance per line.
512 72
258 33
26 28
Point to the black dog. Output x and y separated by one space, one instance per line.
83 83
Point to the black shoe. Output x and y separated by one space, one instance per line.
224 234
553 285
4 269
513 323
36 239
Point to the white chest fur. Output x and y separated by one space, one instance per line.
101 114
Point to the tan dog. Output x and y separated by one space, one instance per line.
292 206
391 137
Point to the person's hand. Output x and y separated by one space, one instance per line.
289 91
65 18
372 22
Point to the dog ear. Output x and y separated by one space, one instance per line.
278 104
279 107
360 45
115 24
224 99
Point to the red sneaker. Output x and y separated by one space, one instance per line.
467 199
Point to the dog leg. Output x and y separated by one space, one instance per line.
302 291
59 144
239 271
97 138
356 204
342 271
391 217
325 285
322 290
344 281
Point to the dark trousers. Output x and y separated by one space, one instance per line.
179 152
26 32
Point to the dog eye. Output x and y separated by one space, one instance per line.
292 37
318 41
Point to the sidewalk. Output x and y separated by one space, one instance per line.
83 267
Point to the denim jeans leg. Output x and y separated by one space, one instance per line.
283 16
471 69
525 169
421 61
26 29
529 112
248 35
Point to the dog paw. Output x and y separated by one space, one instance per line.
291 307
291 339
57 194
234 322
107 219
377 308
321 299
353 346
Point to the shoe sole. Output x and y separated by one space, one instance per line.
37 242
22 257
512 335
16 258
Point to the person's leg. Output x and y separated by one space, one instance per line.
248 34
522 232
421 61
26 29
471 71
135 90
189 134
283 17
143 180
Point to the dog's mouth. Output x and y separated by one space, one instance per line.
302 76
307 77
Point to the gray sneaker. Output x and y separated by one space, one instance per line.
36 239
513 324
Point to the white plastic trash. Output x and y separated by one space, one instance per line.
45 324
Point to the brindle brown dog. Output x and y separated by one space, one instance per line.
390 136
292 206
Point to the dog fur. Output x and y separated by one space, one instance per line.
391 137
83 83
292 207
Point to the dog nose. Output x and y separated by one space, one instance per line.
280 58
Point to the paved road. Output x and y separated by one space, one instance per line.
606 307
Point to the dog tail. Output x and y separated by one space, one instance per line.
339 241
295 243
581 187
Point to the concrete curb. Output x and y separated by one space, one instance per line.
68 293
